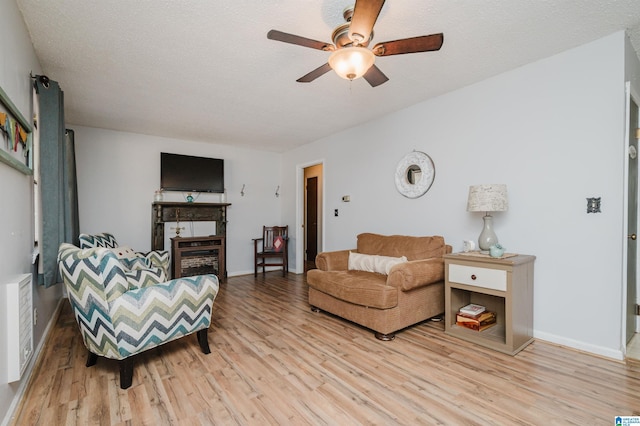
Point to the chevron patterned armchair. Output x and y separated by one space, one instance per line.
122 312
157 258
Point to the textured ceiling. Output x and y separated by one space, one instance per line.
205 70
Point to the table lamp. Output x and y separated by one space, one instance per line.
487 198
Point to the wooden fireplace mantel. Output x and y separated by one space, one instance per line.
169 211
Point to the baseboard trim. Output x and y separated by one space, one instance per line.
250 272
581 346
35 360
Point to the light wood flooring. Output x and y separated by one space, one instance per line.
274 361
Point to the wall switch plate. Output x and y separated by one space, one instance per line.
593 205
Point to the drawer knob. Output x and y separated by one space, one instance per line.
473 277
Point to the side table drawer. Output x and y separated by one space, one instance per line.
495 279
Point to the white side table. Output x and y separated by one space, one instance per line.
504 286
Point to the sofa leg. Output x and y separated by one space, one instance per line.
315 309
126 372
91 359
203 340
385 337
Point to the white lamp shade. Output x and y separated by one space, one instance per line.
351 62
487 198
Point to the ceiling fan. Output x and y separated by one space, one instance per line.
350 57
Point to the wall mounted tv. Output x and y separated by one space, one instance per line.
191 174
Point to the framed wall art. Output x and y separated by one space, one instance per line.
16 139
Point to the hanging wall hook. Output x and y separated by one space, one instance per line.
242 190
278 191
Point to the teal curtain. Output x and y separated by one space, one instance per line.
58 185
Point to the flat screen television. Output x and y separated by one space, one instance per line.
191 174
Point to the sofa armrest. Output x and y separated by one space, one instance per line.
333 260
416 273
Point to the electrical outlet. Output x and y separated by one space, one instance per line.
335 212
35 316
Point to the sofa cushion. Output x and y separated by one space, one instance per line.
357 287
373 262
123 252
129 259
159 258
414 248
278 243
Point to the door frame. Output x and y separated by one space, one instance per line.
300 189
629 94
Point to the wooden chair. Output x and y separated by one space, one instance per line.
273 252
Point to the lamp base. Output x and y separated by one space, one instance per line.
487 237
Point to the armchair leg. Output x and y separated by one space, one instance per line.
91 359
126 372
203 340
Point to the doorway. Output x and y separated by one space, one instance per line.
632 338
312 214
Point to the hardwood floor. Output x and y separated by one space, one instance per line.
273 361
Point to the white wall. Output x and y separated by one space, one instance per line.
17 59
553 131
119 172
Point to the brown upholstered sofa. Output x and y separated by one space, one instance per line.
407 292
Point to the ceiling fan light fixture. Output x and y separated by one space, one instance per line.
351 62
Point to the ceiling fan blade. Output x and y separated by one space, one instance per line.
426 43
320 71
300 41
365 14
375 77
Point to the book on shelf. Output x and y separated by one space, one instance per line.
482 322
483 317
476 327
472 310
472 316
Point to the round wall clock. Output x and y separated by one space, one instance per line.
415 174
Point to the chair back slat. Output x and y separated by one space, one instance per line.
271 234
